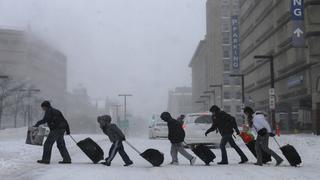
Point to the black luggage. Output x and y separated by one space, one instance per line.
91 149
265 157
291 154
204 153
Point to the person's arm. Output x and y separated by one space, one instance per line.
44 120
213 127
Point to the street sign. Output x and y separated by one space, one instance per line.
297 16
235 42
272 101
272 91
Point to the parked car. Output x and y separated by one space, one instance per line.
195 126
158 129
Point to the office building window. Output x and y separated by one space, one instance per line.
225 25
237 81
226 80
226 65
238 95
225 37
227 109
226 51
227 95
238 109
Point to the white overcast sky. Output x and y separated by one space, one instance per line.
141 47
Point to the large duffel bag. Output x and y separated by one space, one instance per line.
204 153
91 149
35 135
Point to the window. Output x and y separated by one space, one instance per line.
238 109
227 109
238 95
203 120
237 81
226 51
225 25
226 80
225 11
225 37
227 95
226 65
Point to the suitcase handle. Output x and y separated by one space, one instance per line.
276 142
73 139
132 147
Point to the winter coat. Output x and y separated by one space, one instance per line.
110 129
55 120
225 123
260 122
176 133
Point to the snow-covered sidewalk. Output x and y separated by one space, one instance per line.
18 161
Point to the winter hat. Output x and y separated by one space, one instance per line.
103 120
215 108
165 116
248 110
45 104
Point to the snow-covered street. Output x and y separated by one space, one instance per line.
18 161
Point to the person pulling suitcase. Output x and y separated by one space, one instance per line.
258 122
176 136
58 125
116 137
226 125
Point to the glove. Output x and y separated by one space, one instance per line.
238 132
206 133
35 125
68 132
272 134
124 138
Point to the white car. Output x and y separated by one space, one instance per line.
195 126
158 129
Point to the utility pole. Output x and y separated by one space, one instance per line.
125 104
272 99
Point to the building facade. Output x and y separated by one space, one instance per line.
27 59
212 62
288 31
180 101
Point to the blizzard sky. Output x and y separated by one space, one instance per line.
141 47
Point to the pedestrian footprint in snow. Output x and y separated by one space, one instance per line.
116 137
176 136
226 124
58 125
258 122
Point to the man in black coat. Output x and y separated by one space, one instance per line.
226 125
176 136
58 125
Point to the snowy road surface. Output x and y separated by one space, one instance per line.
18 162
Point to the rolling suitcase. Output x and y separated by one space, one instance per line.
204 153
290 153
91 149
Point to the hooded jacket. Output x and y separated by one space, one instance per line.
225 123
176 133
54 119
110 129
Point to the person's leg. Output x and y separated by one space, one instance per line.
174 153
239 151
123 154
47 147
224 156
264 145
113 151
183 152
62 146
258 151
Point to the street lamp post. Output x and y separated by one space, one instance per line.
271 91
221 91
214 95
125 104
